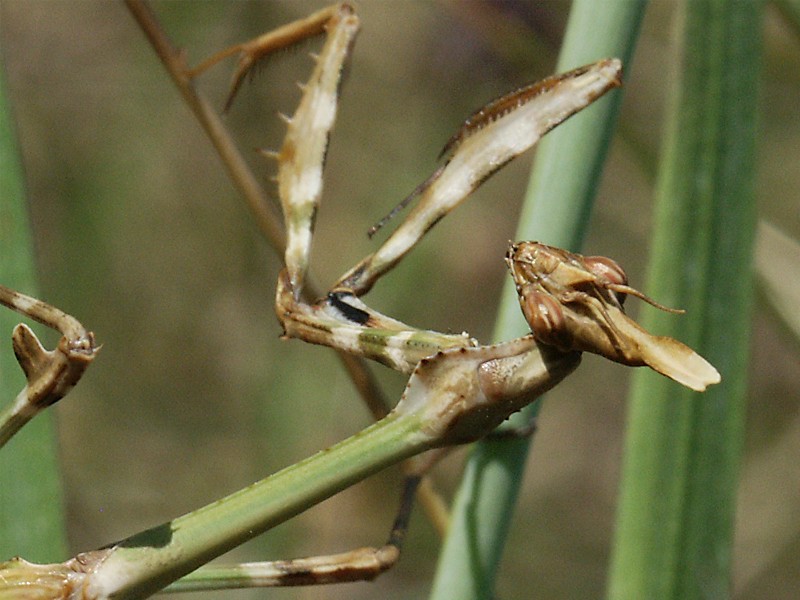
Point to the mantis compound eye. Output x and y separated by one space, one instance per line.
545 318
609 271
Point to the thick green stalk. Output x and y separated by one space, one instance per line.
451 397
146 562
31 511
675 522
556 211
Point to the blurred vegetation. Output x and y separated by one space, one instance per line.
140 235
677 501
32 519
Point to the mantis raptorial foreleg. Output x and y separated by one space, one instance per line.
488 140
446 370
300 184
458 390
341 319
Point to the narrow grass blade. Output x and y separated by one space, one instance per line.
31 512
777 263
556 211
675 522
791 12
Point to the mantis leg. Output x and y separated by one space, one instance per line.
50 374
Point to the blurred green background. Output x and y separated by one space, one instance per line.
142 237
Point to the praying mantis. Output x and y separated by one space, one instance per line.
458 390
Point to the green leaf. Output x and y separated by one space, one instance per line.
556 211
675 522
31 508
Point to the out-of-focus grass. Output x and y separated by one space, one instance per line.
678 494
139 233
31 498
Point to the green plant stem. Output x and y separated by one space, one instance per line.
675 522
148 561
449 399
556 211
31 510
